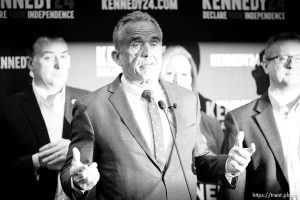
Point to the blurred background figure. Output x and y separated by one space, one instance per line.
260 76
36 125
179 67
272 122
189 51
262 82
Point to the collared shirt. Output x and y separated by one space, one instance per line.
52 107
138 106
288 123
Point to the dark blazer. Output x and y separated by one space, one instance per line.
23 132
211 129
105 131
267 171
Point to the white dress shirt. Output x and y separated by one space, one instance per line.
288 123
52 107
138 106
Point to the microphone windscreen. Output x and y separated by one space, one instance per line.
161 104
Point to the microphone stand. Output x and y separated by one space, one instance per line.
162 106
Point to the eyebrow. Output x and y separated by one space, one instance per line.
139 39
156 38
45 52
135 39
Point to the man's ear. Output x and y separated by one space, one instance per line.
265 65
29 62
116 57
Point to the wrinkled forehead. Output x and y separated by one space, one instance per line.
145 31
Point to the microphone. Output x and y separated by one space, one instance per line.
174 106
163 107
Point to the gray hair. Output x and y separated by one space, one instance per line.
136 16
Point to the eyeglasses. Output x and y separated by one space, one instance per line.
284 59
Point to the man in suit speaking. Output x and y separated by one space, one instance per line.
120 129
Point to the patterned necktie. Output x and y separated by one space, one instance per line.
158 140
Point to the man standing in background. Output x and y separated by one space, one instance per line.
35 125
272 123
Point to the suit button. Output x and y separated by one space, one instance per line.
165 179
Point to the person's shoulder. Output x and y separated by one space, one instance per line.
99 94
179 89
246 108
78 91
108 89
208 118
15 96
13 99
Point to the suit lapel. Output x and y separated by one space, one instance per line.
68 104
67 114
173 116
119 101
266 122
171 98
34 116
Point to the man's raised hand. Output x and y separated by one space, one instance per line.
84 177
239 157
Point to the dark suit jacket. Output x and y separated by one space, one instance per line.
105 131
23 132
211 129
267 171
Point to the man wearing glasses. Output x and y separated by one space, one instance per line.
272 123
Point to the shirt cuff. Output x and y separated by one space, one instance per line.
231 178
36 161
77 191
36 165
